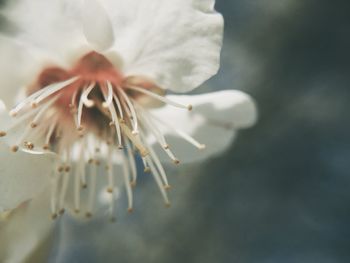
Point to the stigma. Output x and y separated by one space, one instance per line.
92 115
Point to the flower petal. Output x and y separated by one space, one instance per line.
97 26
17 67
176 43
214 120
25 232
22 175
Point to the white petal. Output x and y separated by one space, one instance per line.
22 175
97 26
213 121
177 43
17 67
26 230
51 26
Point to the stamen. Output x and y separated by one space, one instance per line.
49 133
158 180
146 169
110 176
161 98
132 110
109 97
138 144
24 102
64 188
84 96
132 164
92 190
53 88
182 134
159 167
54 187
113 112
42 111
119 106
126 174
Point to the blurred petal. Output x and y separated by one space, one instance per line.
214 120
97 26
17 67
176 43
22 175
24 233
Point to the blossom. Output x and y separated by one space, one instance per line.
89 81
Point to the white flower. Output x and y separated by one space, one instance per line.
89 80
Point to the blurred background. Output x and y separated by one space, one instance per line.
281 193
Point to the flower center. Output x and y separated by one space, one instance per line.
92 114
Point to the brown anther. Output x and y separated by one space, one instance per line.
34 105
97 149
88 214
167 204
120 147
53 216
80 128
67 169
133 183
81 135
166 146
29 145
33 125
167 187
84 185
90 161
147 170
107 167
189 107
121 120
60 169
97 162
2 133
46 147
77 211
130 210
176 161
14 148
111 123
112 219
109 190
61 212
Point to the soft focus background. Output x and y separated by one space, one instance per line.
281 193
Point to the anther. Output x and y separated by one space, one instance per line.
60 169
90 161
88 214
167 204
29 145
33 125
176 161
133 183
53 216
14 148
147 170
80 128
34 105
167 187
130 210
84 186
189 107
67 169
166 146
46 147
77 211
112 219
120 147
109 190
2 133
61 212
13 113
